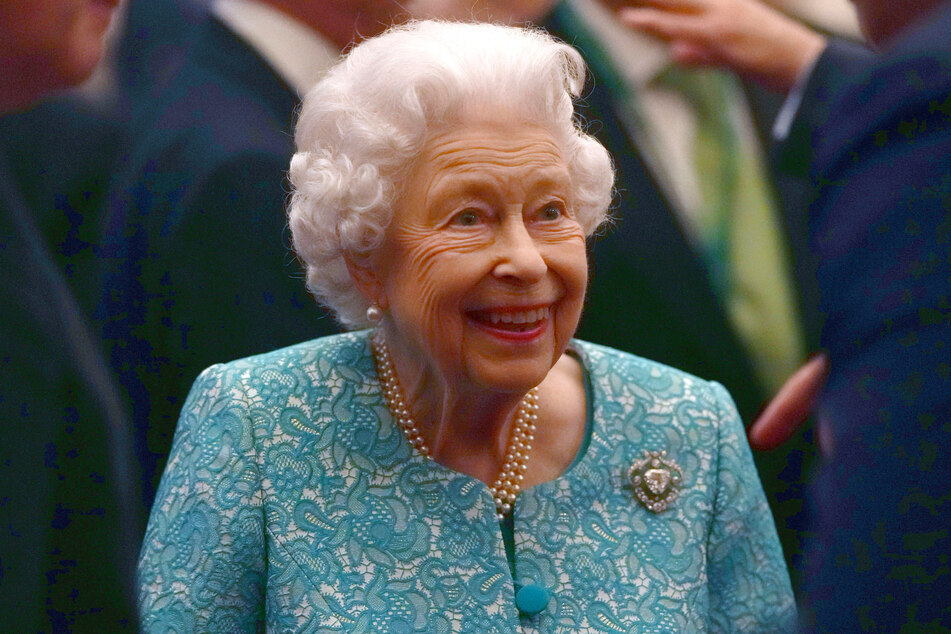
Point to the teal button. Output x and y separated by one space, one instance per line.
531 599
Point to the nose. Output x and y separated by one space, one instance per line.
519 256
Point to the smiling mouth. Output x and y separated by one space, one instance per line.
517 320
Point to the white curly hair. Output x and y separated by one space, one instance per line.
361 127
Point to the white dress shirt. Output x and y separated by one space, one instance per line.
298 53
665 135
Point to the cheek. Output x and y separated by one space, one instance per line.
429 275
569 262
568 258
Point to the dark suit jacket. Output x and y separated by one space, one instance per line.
69 523
156 36
60 154
880 231
197 258
650 292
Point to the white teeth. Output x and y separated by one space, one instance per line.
524 317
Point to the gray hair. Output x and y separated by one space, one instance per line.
361 127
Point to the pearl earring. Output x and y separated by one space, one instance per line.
374 314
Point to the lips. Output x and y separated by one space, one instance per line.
517 319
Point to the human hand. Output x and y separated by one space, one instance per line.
791 405
745 36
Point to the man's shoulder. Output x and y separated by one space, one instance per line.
900 98
225 99
214 131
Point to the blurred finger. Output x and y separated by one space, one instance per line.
791 405
662 24
689 54
671 6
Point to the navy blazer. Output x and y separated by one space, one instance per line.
880 232
197 265
69 523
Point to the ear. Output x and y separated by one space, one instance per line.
364 276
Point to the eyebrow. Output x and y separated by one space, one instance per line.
465 184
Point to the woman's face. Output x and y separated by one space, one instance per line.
484 269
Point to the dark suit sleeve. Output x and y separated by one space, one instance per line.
231 286
880 227
204 275
792 160
68 522
832 74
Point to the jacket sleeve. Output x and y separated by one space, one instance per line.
838 64
749 584
202 564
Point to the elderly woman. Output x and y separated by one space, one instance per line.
462 465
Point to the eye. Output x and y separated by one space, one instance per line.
551 211
466 218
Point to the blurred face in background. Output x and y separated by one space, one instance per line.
884 20
46 45
507 12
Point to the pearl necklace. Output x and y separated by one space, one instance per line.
509 481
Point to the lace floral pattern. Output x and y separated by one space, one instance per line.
292 503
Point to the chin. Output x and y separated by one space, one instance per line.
85 43
511 377
78 65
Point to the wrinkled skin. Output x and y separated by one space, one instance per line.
484 225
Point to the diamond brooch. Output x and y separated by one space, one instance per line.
656 480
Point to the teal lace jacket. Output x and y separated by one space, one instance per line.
292 503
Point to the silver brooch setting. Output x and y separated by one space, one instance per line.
656 480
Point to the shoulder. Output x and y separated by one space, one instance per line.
309 384
606 363
635 395
206 129
896 101
342 355
223 100
631 394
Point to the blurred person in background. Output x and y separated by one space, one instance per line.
69 528
200 180
872 134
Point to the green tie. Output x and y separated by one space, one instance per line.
738 227
741 242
